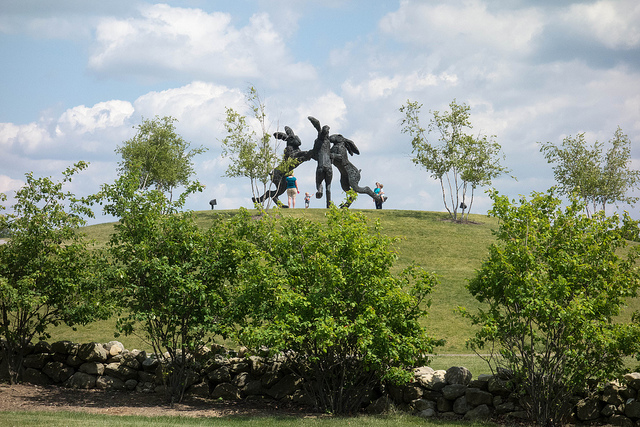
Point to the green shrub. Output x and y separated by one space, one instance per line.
553 283
171 277
47 272
326 295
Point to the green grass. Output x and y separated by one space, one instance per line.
54 419
452 251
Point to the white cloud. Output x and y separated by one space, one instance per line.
102 115
86 131
198 106
164 40
7 184
78 131
614 23
194 101
469 25
330 109
23 138
378 87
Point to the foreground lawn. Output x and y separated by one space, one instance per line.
54 419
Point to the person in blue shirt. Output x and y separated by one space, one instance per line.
378 191
292 190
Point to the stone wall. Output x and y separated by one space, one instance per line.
229 375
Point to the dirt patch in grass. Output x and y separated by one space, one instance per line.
27 397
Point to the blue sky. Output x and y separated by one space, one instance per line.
77 76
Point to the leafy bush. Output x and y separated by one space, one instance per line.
47 272
553 283
171 277
325 295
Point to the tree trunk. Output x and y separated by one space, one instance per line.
11 363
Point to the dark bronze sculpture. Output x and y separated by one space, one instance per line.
279 174
327 150
349 173
321 152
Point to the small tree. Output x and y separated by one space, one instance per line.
335 308
461 162
599 178
251 156
173 278
553 283
160 153
48 274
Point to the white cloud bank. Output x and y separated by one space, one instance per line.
167 41
446 23
614 23
531 71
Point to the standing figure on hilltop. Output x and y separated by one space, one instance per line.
349 173
292 190
380 194
321 152
280 173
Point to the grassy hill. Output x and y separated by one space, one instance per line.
453 251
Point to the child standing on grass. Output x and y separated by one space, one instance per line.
307 199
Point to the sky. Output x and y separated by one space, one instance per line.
78 76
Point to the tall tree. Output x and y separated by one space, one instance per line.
599 178
252 156
160 153
48 274
460 162
552 285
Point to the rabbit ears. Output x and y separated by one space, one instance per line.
288 133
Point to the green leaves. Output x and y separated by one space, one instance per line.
553 283
161 155
47 272
251 156
168 274
334 303
459 161
598 178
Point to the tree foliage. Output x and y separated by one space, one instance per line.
48 274
252 156
553 283
160 153
460 162
630 228
173 279
332 304
599 178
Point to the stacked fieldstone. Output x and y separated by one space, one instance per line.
234 375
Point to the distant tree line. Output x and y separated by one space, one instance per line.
461 162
